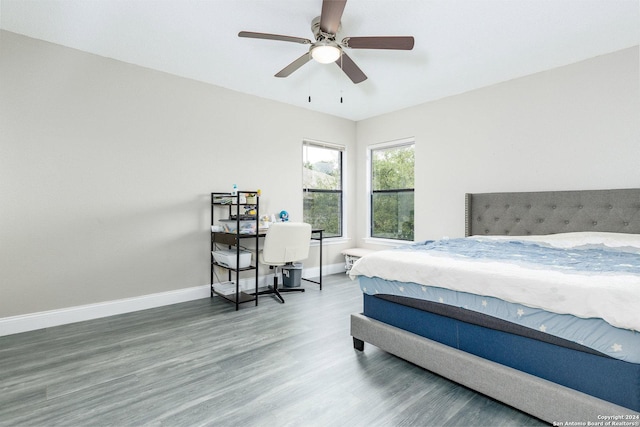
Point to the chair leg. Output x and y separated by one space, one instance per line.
291 289
273 289
276 291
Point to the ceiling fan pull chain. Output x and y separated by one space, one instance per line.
342 70
309 84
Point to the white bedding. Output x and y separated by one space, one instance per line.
613 297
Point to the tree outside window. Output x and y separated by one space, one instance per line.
322 187
392 185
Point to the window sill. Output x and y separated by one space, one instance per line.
331 241
386 242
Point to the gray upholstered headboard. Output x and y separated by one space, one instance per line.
548 212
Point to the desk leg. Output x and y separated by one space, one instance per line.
320 260
319 282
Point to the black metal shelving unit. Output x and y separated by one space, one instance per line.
233 241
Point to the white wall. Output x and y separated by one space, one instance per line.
106 170
575 127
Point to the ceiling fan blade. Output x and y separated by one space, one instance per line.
351 69
384 42
286 71
279 37
331 15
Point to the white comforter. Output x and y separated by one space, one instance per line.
614 298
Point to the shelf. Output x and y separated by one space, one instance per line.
229 238
233 212
232 204
242 297
227 199
251 267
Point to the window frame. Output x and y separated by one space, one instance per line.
341 149
405 142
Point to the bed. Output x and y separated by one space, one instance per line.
545 336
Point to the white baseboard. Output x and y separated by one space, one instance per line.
47 319
326 270
63 316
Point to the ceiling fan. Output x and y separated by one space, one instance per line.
326 49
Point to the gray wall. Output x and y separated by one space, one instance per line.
106 170
574 127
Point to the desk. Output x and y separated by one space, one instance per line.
316 234
232 239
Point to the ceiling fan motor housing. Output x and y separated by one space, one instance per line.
325 50
319 34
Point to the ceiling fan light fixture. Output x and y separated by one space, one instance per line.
325 53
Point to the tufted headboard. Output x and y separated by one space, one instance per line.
548 212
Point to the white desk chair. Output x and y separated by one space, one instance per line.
284 243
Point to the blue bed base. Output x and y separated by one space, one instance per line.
609 379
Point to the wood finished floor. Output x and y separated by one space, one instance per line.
202 363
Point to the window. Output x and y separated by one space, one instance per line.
322 186
392 185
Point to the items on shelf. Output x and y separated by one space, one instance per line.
246 225
225 288
227 258
265 222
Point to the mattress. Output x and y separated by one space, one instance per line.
589 334
587 275
609 379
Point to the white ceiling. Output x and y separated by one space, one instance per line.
460 45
